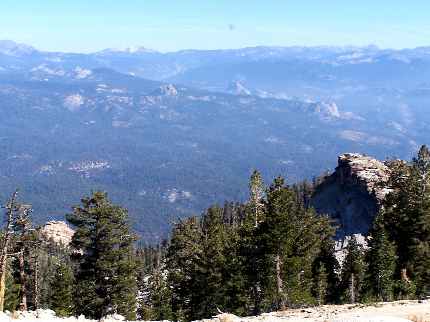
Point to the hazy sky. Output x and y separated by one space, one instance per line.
91 25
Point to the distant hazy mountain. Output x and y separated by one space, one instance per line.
190 134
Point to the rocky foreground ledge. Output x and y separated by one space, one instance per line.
400 311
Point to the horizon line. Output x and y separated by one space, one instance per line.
134 49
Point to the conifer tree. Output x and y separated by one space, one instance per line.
61 297
321 284
160 297
353 270
154 292
250 247
103 244
182 262
12 298
277 234
256 191
210 275
420 228
291 236
407 216
326 266
252 256
381 258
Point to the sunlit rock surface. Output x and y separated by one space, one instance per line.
58 231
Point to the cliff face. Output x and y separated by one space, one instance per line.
353 193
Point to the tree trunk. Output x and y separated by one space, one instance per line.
404 275
36 284
5 246
352 288
23 291
256 309
2 285
279 284
255 285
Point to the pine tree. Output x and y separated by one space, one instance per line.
49 255
420 228
61 297
326 266
12 211
291 237
103 244
250 251
321 284
160 297
256 191
12 298
155 294
381 258
210 275
252 256
353 270
182 262
407 216
277 235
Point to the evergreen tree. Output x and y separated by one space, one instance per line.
321 284
256 191
420 229
325 267
252 256
353 270
278 240
50 255
381 258
61 297
182 262
291 236
249 244
210 274
407 216
160 297
155 294
103 244
12 298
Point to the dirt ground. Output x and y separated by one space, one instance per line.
400 311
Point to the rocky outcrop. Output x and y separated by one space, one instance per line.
352 195
58 231
167 90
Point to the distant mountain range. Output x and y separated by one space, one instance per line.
167 134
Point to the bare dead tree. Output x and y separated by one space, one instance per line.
36 287
8 231
22 278
22 229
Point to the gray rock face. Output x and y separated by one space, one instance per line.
352 195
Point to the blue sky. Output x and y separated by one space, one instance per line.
167 25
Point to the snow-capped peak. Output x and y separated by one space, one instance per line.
128 50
